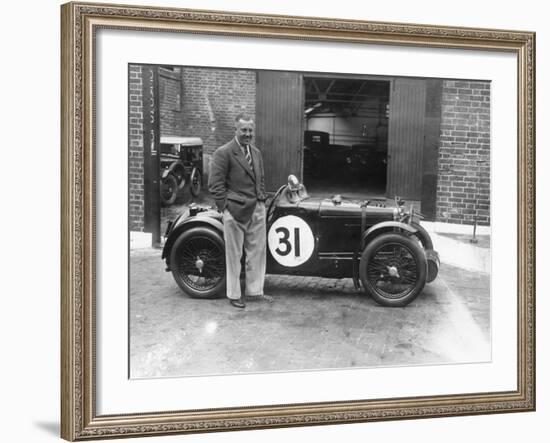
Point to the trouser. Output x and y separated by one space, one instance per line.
251 237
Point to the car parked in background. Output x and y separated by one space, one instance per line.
180 163
322 158
365 159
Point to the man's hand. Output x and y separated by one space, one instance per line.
216 180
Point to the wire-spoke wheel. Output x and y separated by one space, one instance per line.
197 261
168 189
393 269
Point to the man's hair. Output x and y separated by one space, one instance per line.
244 117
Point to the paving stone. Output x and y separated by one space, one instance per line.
313 324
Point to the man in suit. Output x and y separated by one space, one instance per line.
237 184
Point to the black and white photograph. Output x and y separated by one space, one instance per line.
286 221
275 221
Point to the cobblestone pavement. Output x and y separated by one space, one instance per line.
313 323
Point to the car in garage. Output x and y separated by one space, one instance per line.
323 159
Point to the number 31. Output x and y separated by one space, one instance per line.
284 240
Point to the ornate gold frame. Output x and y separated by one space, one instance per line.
78 417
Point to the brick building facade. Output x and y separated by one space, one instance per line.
211 100
136 192
202 102
194 102
171 102
463 183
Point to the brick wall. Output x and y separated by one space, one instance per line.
202 102
211 100
171 109
194 102
463 185
135 155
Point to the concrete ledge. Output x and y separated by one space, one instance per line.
460 252
463 255
140 240
454 228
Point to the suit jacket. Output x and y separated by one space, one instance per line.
233 183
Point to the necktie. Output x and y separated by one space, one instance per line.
247 155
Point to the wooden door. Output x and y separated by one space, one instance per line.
279 125
432 140
406 138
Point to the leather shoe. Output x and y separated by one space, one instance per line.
238 303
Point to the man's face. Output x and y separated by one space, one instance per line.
244 131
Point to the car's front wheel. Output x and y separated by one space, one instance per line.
195 182
168 190
197 261
393 269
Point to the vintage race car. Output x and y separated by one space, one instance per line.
383 249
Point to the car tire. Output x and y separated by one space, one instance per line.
393 269
168 190
197 262
195 182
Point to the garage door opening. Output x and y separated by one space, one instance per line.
346 136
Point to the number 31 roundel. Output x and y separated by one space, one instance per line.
290 241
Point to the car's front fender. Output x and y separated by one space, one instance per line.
386 226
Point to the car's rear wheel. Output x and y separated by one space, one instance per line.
168 190
197 261
393 269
